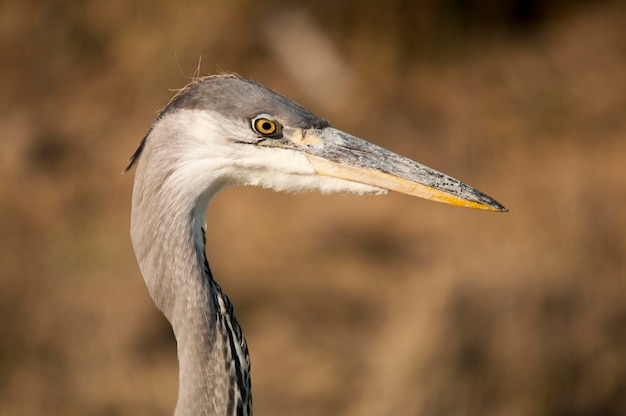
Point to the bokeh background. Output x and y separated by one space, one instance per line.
351 305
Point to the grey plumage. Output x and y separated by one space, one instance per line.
230 94
207 138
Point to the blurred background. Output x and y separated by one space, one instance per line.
351 305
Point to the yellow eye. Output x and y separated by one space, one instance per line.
265 126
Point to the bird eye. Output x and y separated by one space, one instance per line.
266 126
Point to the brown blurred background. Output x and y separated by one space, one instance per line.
351 305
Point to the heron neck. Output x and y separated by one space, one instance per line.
169 243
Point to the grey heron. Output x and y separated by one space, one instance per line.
221 131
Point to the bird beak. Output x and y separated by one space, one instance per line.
334 153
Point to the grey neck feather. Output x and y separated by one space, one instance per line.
167 230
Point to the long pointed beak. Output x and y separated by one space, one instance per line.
340 155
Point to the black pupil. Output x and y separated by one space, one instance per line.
267 126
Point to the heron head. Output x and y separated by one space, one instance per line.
234 131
